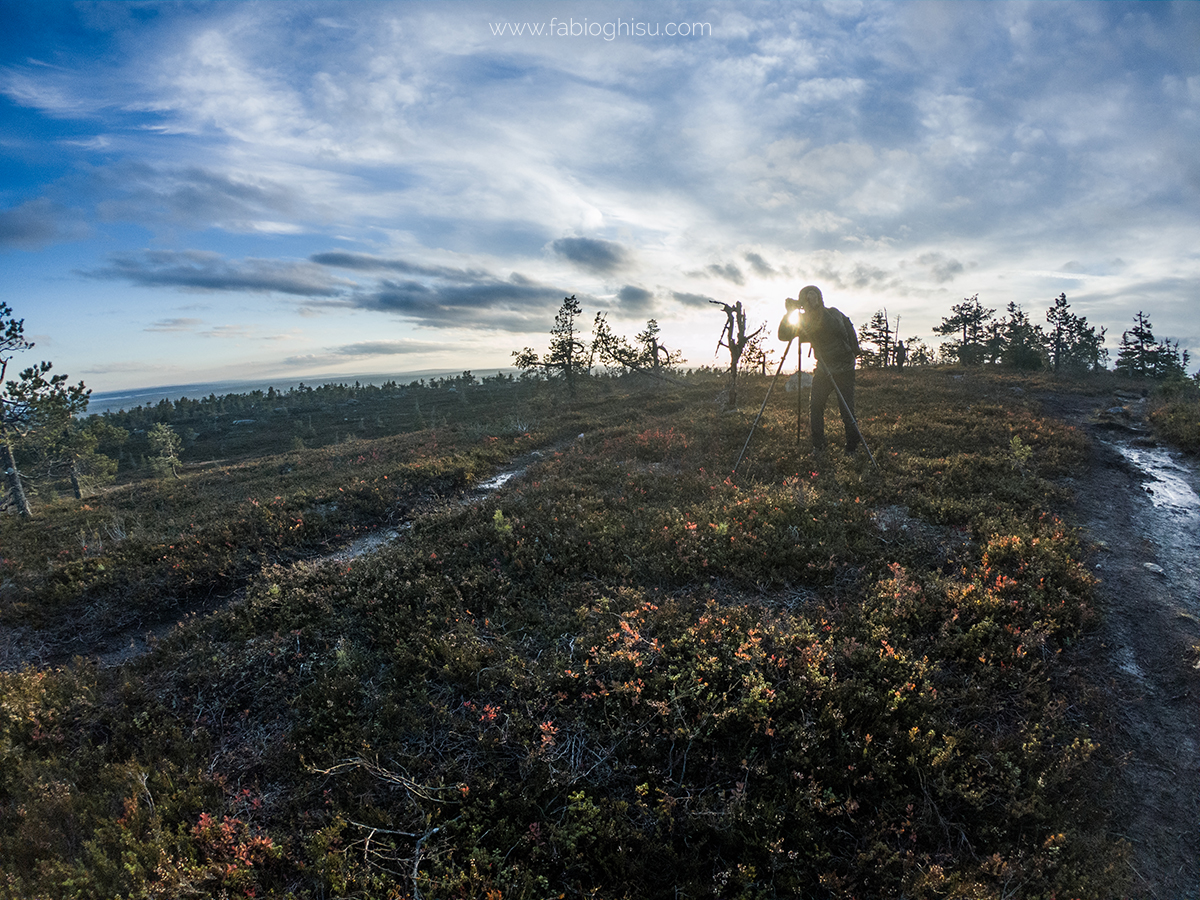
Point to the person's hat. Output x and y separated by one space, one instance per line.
810 297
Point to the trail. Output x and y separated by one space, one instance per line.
24 646
1138 504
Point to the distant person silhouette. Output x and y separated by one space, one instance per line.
901 354
835 344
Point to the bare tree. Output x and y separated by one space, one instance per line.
736 340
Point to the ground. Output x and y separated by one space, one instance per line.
1144 660
1146 652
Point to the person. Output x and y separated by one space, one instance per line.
901 354
835 344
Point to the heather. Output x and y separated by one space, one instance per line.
624 674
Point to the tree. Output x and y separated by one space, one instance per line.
567 352
654 355
166 446
919 353
30 403
1072 343
1022 343
878 332
1140 355
970 320
1168 361
611 349
1137 354
734 338
757 355
70 449
80 456
648 355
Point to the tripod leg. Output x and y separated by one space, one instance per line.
799 394
770 388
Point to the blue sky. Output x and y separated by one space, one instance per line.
200 191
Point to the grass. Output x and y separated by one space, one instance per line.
626 675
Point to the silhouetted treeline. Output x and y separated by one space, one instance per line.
1066 343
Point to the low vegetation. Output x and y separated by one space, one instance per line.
1175 413
626 674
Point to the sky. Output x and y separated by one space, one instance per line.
193 192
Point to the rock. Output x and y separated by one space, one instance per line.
1154 569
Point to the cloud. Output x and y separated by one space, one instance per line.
593 255
941 268
122 367
691 299
365 350
635 299
490 301
760 265
364 262
36 223
228 332
204 271
199 197
442 295
166 325
729 272
388 348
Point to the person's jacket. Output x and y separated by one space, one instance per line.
831 334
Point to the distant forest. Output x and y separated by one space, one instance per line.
51 445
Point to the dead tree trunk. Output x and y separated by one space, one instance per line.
734 337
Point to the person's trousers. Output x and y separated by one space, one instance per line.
822 389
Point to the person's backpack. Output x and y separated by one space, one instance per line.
844 329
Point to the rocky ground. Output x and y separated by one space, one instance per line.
1144 531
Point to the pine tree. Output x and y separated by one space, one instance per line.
1168 361
970 320
1073 344
1023 343
31 404
166 446
1141 355
652 354
1137 354
649 355
877 332
568 355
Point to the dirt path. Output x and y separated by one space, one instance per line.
1133 502
112 645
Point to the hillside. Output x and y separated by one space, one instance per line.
620 673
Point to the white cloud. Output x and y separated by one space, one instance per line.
905 151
